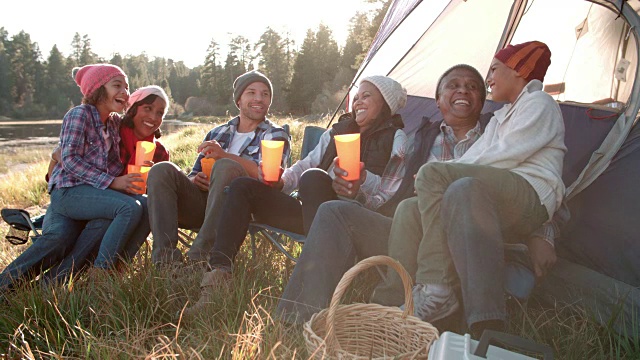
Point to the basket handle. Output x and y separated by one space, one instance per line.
347 278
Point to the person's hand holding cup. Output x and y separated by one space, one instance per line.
347 165
143 171
279 184
348 148
270 166
207 165
346 188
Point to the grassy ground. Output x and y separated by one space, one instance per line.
136 312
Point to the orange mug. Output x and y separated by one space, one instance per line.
142 170
144 152
271 159
348 147
207 165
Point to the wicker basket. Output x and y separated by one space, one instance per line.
368 331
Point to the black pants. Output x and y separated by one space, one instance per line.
247 197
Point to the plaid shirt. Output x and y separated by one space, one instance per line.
266 130
84 156
376 190
447 147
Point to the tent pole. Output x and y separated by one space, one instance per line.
340 105
368 58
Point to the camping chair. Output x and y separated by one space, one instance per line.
278 237
21 225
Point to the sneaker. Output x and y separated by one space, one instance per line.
432 303
211 282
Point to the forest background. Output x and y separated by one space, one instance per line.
310 79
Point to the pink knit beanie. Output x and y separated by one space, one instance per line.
90 77
145 91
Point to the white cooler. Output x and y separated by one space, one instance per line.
452 346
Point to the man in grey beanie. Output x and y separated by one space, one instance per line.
244 80
195 201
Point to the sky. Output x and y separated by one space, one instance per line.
180 30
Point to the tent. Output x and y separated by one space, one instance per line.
594 66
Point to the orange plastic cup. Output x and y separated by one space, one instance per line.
142 170
144 152
207 165
271 159
348 147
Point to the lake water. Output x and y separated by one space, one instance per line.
47 132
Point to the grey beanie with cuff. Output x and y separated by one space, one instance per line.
247 79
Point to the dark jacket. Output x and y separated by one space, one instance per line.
423 140
375 145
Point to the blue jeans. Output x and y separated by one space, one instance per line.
341 232
58 236
84 249
454 232
84 202
477 228
87 246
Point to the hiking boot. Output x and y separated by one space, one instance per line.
212 282
433 302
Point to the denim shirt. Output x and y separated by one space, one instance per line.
250 150
85 159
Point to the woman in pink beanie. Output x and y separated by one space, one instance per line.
87 183
147 107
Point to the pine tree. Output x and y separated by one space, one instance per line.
87 56
56 81
276 63
178 72
316 65
358 42
211 72
24 64
5 74
76 48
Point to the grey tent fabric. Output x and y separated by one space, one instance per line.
397 12
603 233
599 265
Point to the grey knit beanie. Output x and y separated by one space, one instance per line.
247 79
392 92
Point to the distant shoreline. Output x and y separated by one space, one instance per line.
30 122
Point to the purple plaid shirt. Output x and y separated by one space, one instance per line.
84 156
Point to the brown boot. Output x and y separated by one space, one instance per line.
212 282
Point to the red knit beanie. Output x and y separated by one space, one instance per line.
90 77
531 59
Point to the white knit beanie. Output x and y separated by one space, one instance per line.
392 92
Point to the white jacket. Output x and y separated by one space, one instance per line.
526 137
